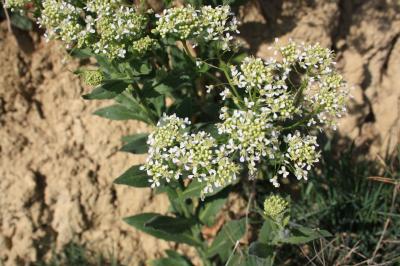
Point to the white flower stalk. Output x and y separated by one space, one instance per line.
251 135
163 151
62 21
299 84
118 29
173 152
105 26
204 25
16 4
275 101
302 153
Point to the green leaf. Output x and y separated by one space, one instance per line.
169 262
209 210
170 224
226 239
134 177
107 66
301 235
249 260
268 232
175 255
145 69
174 199
164 89
120 112
261 250
109 90
136 144
184 107
193 190
81 53
21 22
158 104
141 221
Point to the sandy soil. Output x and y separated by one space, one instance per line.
58 161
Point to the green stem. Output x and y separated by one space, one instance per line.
202 249
231 85
143 106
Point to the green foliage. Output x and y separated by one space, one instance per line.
344 199
164 227
231 232
135 144
133 177
76 255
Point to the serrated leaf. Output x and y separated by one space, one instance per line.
134 177
139 222
109 90
136 144
231 232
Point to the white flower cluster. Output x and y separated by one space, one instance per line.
303 84
61 19
16 3
302 153
251 135
277 100
174 152
106 26
204 25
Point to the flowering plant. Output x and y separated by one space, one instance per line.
220 120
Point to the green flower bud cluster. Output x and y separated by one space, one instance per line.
144 44
92 77
204 25
275 207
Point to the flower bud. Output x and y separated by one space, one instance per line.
92 77
275 206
